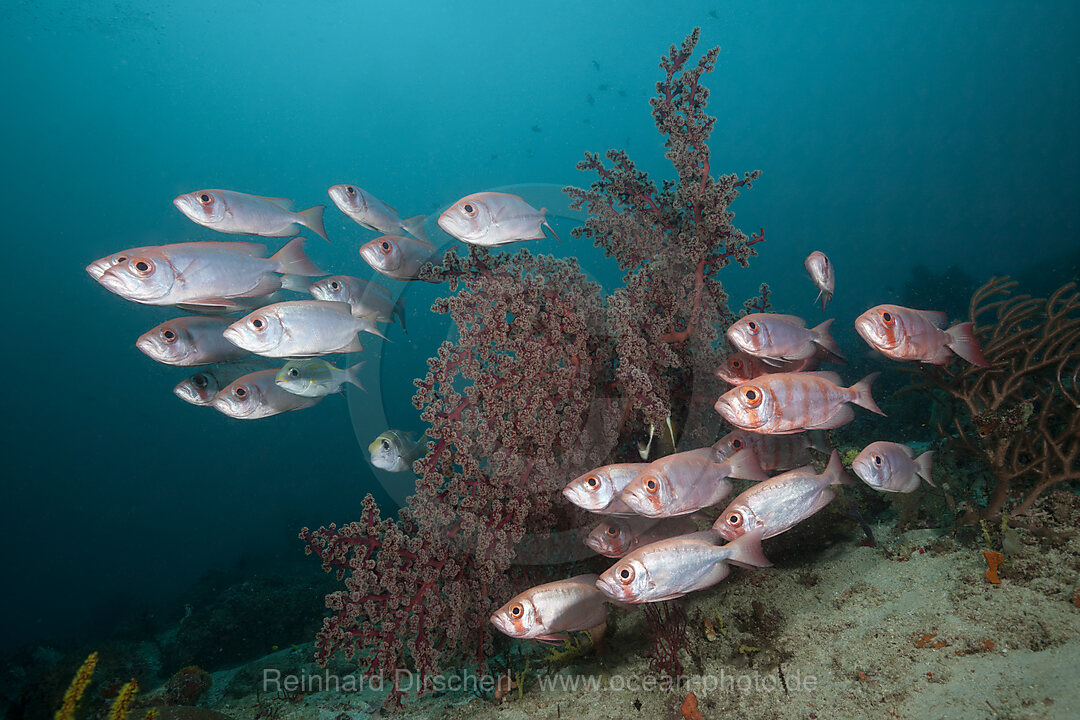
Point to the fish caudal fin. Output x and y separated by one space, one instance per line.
746 550
863 398
923 465
291 260
352 374
312 219
399 313
834 472
824 296
963 342
746 466
546 224
824 339
415 226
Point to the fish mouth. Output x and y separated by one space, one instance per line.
612 589
500 622
233 335
862 469
149 348
188 394
452 224
97 268
866 329
641 505
227 406
369 255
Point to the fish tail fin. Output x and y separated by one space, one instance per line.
543 211
746 551
863 398
834 471
746 466
399 313
292 260
824 339
312 219
924 465
352 374
824 296
963 342
415 226
296 283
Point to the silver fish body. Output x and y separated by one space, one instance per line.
238 213
617 536
372 213
780 503
672 568
366 298
395 451
256 395
550 611
777 338
203 273
299 328
315 377
190 341
201 387
489 219
892 467
398 256
686 482
822 273
597 489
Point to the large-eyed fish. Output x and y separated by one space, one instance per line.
821 272
299 328
779 338
395 451
398 256
256 395
203 386
366 298
190 341
892 467
315 377
685 482
550 611
616 536
238 213
598 490
905 334
774 452
369 211
739 367
493 218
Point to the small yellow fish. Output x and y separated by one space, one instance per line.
395 451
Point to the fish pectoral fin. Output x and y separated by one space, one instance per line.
268 283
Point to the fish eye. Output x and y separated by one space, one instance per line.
168 335
752 396
625 574
121 258
736 364
651 485
206 198
737 443
516 610
385 444
385 246
592 482
240 392
293 372
258 323
350 190
612 531
334 285
887 317
469 209
199 381
142 266
734 520
877 459
752 326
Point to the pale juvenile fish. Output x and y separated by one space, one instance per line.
774 452
367 299
672 568
685 482
256 395
204 273
780 503
238 213
200 388
905 334
372 213
892 467
551 611
492 218
739 367
787 403
397 256
617 536
315 377
779 338
299 328
395 451
822 273
190 341
599 488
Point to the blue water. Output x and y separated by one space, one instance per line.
889 134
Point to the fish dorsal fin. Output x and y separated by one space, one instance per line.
284 203
936 318
789 319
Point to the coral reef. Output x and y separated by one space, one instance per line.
544 381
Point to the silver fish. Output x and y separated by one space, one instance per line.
686 482
617 536
774 452
190 341
372 213
367 299
598 489
492 218
821 272
672 568
204 273
397 256
395 451
782 502
238 213
256 395
777 338
549 612
299 328
200 388
892 467
315 377
98 267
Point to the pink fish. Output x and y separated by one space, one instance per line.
780 503
892 467
549 612
905 334
685 482
821 272
672 568
787 403
779 338
738 367
598 490
774 452
616 537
